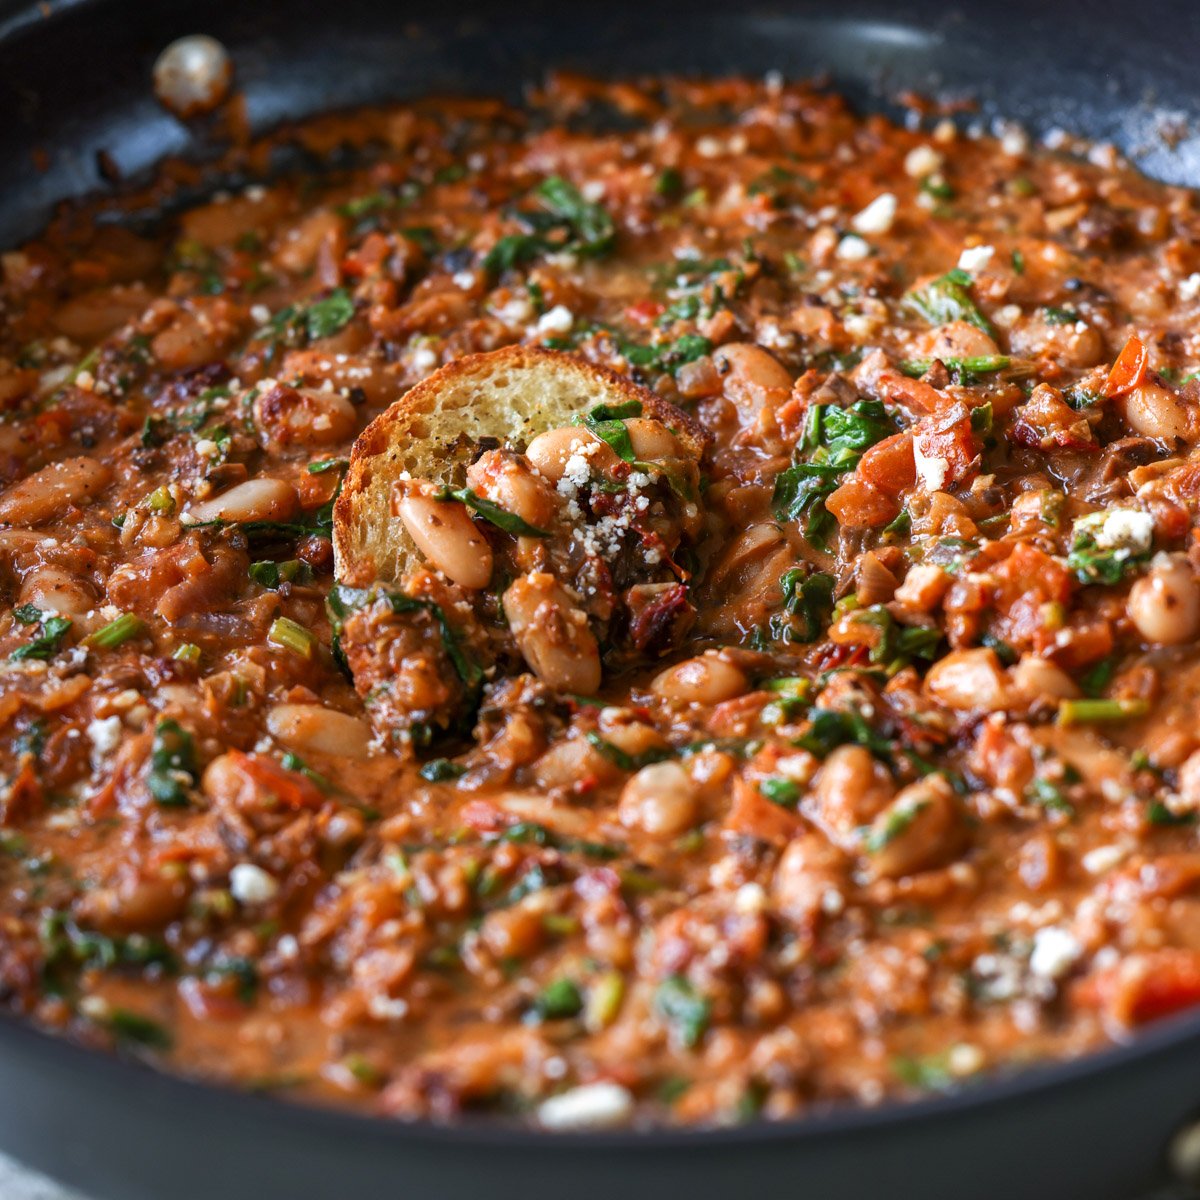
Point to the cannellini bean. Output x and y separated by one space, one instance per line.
660 800
304 416
706 679
54 590
1038 679
652 440
968 679
1164 605
505 479
810 879
552 633
1155 412
753 380
919 829
851 789
444 533
958 339
46 493
1073 343
313 728
264 499
550 452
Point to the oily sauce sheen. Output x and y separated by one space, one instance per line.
887 773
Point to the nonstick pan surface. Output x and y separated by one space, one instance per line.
74 81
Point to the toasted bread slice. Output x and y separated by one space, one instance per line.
435 431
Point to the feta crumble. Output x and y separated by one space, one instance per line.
975 258
852 248
250 884
592 1106
1055 952
878 216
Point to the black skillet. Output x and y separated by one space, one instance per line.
74 81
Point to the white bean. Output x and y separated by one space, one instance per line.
444 533
553 634
706 679
968 679
47 492
1164 605
1155 412
264 499
313 728
659 800
550 452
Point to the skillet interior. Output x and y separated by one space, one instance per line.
75 83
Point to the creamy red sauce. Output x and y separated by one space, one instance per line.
921 806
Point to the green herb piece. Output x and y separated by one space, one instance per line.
129 1026
287 633
623 760
1018 262
604 1000
500 517
1048 795
242 970
66 947
963 371
900 526
1096 564
327 464
27 614
807 605
895 821
831 727
172 765
948 298
895 645
927 1073
684 1009
1157 813
607 422
189 652
837 429
511 251
669 183
293 762
270 574
117 632
1082 712
323 318
440 770
559 1000
591 226
1060 316
47 643
784 792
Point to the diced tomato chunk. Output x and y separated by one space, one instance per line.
1129 371
857 504
1144 987
888 466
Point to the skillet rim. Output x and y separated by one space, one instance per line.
1180 1033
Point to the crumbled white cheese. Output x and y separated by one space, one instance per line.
975 258
592 1106
558 320
852 248
250 884
921 161
105 736
878 216
465 280
1189 288
207 448
516 311
423 359
1124 531
931 470
750 899
1103 858
260 314
1055 952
